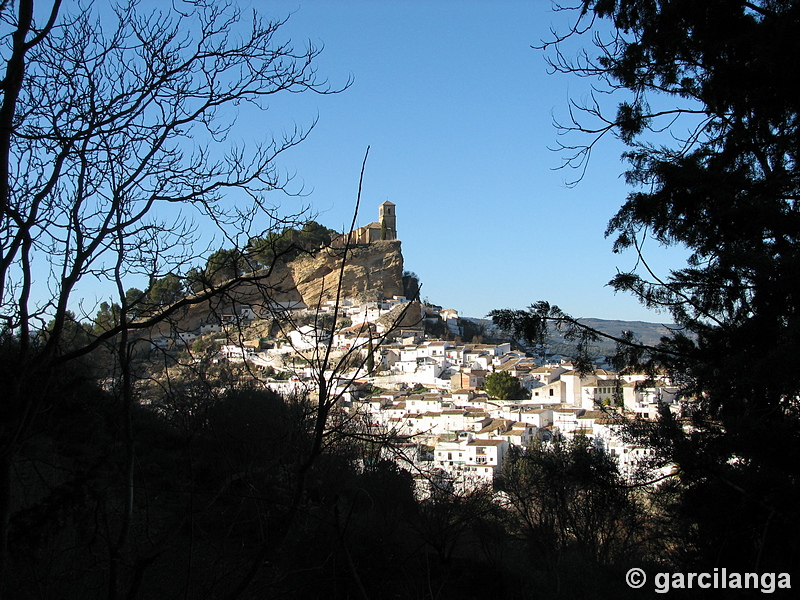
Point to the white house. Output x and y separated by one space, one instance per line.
451 455
644 399
520 434
484 458
420 403
455 355
308 337
234 352
538 417
565 420
450 318
601 391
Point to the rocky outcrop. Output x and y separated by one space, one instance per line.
371 272
402 316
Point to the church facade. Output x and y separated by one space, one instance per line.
384 229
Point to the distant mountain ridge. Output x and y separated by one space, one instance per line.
645 332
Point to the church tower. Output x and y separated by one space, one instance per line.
388 221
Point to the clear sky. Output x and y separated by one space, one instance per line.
458 110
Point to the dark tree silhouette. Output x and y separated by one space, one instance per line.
114 151
711 120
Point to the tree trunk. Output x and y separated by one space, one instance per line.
5 515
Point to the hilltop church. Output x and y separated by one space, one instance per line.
384 229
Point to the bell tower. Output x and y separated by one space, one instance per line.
388 221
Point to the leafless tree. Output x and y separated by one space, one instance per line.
117 152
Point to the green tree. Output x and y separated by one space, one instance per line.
166 290
135 300
223 265
712 124
315 236
502 385
471 332
261 250
411 285
264 251
107 317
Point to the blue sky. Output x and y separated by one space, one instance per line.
458 111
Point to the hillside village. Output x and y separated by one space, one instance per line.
428 394
402 381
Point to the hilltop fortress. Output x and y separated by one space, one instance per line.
384 230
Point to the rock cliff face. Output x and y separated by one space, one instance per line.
371 272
